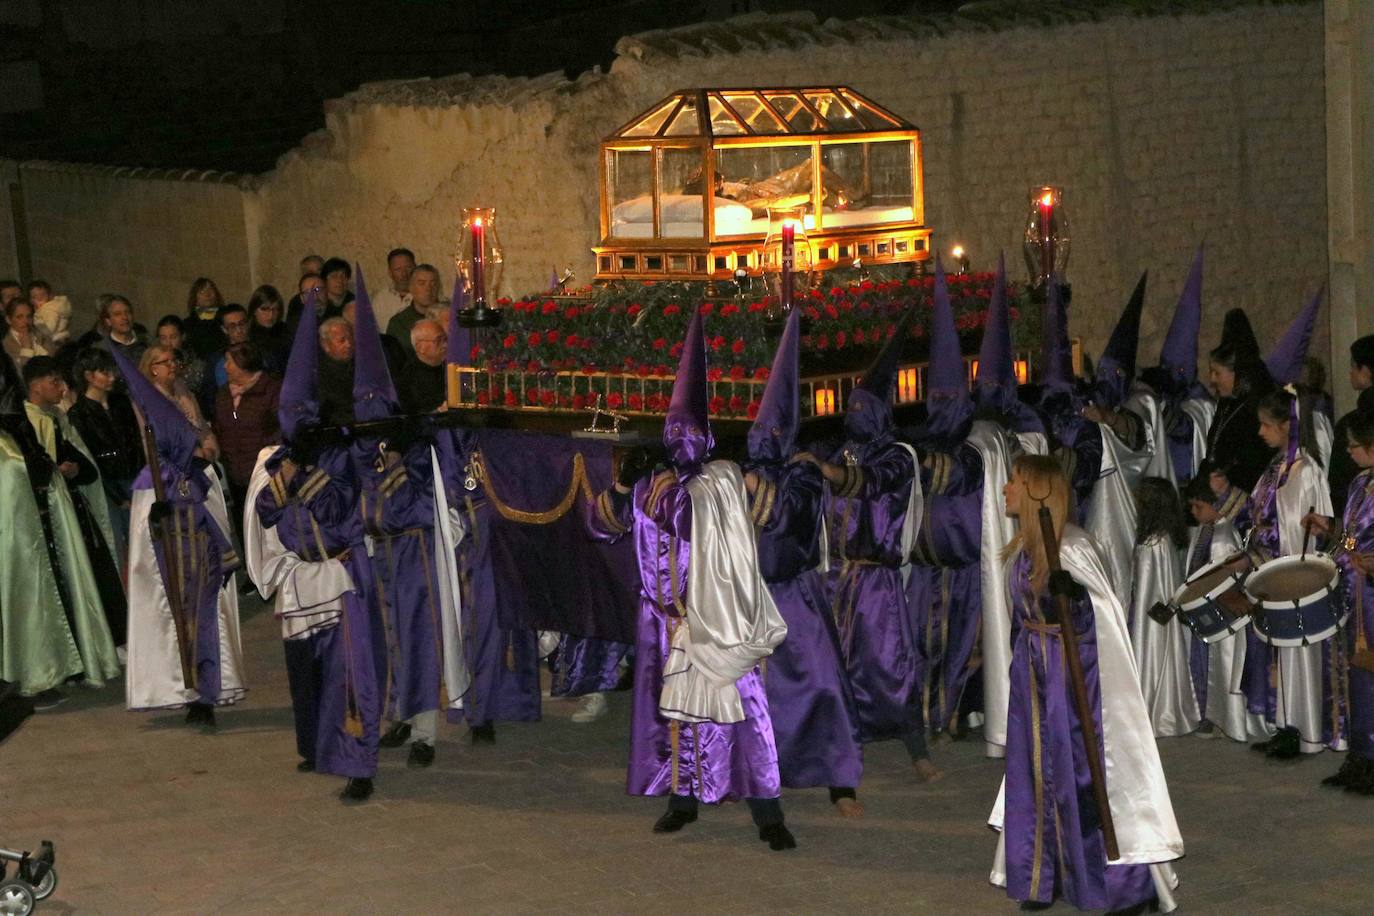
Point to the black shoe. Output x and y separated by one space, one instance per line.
1031 906
421 755
673 820
396 735
1342 777
305 766
483 734
48 699
1361 778
1285 745
778 837
200 714
357 789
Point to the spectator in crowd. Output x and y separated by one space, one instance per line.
267 330
424 301
51 313
161 366
245 419
104 417
24 340
1343 467
336 371
308 282
336 275
194 370
115 327
233 325
9 291
424 380
391 299
311 265
201 327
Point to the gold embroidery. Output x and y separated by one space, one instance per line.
1039 780
673 739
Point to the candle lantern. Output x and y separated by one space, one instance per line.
908 386
1046 244
825 402
961 259
480 261
787 259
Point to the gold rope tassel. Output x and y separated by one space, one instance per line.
579 485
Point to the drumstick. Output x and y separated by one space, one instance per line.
1307 531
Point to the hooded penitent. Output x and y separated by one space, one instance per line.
1284 362
995 386
374 397
1057 352
868 414
299 405
687 428
948 404
1178 356
1116 367
773 436
174 434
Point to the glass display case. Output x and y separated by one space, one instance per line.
686 186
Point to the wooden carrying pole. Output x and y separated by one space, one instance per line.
171 562
1080 690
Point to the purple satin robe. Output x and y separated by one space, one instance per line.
815 724
397 509
315 515
586 665
944 593
1054 845
867 596
1359 591
708 761
504 663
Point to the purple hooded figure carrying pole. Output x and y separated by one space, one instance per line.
814 720
700 729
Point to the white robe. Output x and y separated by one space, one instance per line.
1161 651
1300 702
1111 510
153 678
449 531
1226 707
998 449
1200 411
309 595
1142 812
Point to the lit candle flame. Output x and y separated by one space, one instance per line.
1048 199
958 251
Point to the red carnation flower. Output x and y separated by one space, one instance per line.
671 310
614 400
579 401
736 404
548 398
715 404
551 337
756 307
550 308
737 347
859 336
729 310
841 338
832 312
634 309
660 370
659 343
511 399
762 373
636 402
484 398
713 375
676 350
571 312
533 339
753 411
709 307
820 341
509 341
737 373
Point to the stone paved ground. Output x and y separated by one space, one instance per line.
150 817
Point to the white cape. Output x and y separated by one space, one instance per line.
998 449
1142 812
449 531
153 678
309 595
1200 411
731 620
1111 509
1226 708
1161 651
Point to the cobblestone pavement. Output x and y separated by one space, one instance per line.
151 817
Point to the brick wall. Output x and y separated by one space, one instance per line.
1164 131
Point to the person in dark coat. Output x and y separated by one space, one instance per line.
245 418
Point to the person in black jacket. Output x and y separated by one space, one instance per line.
1239 380
1343 467
105 419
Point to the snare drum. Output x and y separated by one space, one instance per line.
1211 602
1297 600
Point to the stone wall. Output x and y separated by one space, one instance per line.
1163 130
117 230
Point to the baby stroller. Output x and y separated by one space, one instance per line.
35 879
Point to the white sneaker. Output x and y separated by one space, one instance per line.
592 707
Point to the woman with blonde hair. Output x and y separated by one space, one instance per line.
1051 843
160 365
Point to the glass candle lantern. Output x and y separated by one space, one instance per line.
787 259
480 261
1046 243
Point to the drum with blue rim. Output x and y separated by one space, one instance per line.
1212 603
1297 601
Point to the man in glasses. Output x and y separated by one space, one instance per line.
234 324
424 383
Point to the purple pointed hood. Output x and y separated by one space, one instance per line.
374 397
948 404
773 436
687 427
1116 366
1284 362
299 405
1057 352
868 412
459 351
995 386
174 434
1178 356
